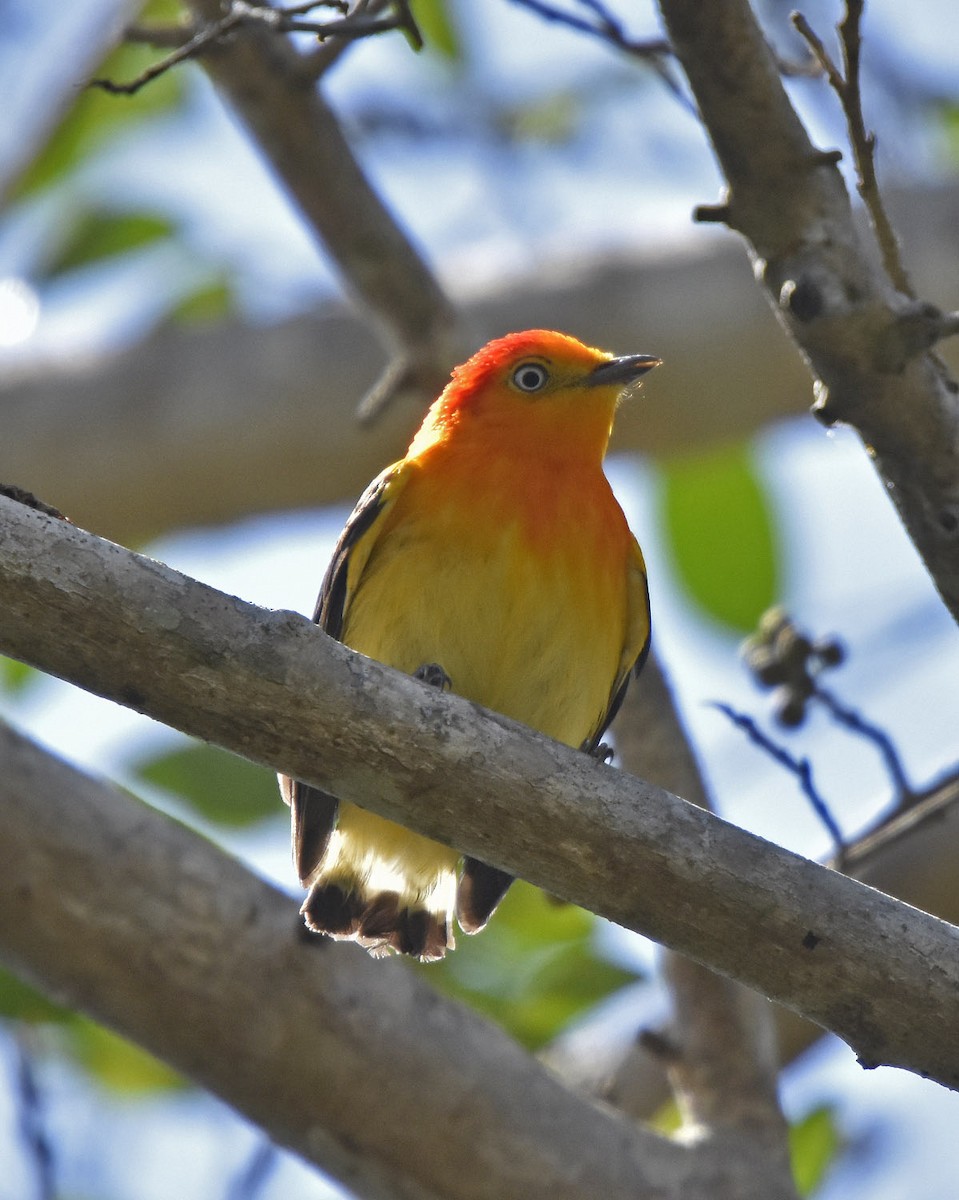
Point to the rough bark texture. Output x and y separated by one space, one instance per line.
719 1047
357 1065
883 976
867 344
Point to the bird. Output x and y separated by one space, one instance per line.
492 560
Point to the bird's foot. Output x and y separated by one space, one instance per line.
604 752
433 675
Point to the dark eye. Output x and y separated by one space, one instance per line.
530 376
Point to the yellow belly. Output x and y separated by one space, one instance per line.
528 622
522 600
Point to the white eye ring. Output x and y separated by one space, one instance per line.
530 377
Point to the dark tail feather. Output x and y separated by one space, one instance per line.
377 923
328 909
314 816
480 889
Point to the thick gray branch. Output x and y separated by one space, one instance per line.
721 1056
272 687
197 426
205 425
357 1065
867 343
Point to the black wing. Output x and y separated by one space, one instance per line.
313 811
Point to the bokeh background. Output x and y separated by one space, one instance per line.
545 176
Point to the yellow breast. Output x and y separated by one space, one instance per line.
514 581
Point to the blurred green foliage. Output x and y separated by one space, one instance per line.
118 1064
549 120
211 301
20 1002
221 787
96 117
950 125
84 232
533 970
436 24
96 234
814 1145
721 534
108 1058
15 676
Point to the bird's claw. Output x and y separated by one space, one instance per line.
604 752
433 675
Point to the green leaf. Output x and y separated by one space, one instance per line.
117 1063
220 786
163 12
814 1143
19 1001
95 116
720 529
98 234
949 114
436 24
210 302
16 676
533 970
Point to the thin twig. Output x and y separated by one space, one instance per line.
317 62
278 20
609 29
253 1175
165 37
853 721
847 87
33 1130
189 49
800 767
177 35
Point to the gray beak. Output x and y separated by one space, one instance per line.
621 370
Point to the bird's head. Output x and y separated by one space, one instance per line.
536 387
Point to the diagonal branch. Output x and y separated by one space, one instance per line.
358 1066
271 88
137 632
867 344
721 1053
196 42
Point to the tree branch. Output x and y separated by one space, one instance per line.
866 342
192 43
271 88
137 632
358 1066
208 424
721 1061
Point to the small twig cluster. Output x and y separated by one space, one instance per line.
846 84
780 656
191 41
